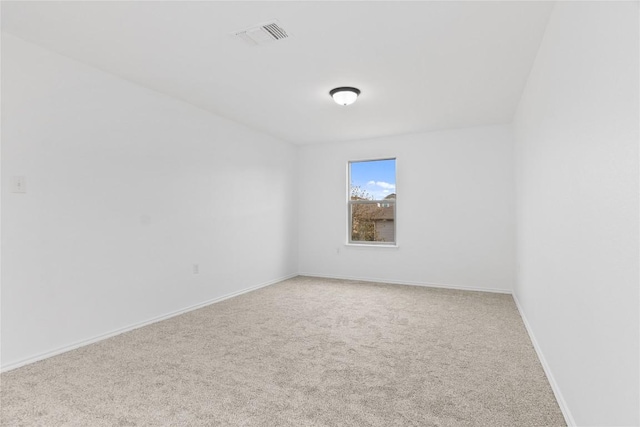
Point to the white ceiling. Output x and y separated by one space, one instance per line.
420 65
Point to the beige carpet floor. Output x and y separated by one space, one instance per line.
303 352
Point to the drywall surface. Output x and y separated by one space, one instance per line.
126 190
455 210
577 209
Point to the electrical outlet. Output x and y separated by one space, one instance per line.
18 184
196 269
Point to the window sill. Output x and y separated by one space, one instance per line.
364 245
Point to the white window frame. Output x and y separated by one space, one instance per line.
350 203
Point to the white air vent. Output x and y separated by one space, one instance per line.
263 33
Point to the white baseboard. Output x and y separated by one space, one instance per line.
547 370
119 331
410 283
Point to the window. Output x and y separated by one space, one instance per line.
372 202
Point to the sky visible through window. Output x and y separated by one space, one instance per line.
376 177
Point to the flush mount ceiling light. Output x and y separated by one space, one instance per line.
344 95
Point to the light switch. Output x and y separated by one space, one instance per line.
18 184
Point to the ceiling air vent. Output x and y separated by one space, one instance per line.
263 33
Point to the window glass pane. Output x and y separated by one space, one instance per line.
373 222
373 180
372 198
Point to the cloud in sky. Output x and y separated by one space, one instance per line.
382 184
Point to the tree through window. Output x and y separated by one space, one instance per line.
372 201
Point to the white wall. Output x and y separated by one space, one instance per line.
577 209
102 157
455 210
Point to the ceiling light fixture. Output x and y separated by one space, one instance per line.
344 95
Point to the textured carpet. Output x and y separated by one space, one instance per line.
303 352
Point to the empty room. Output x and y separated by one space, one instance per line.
320 213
